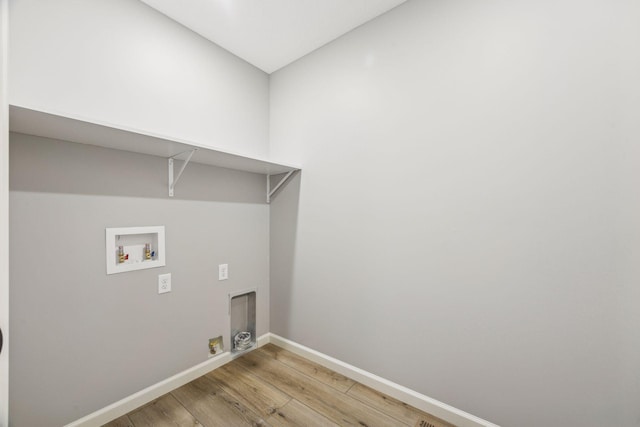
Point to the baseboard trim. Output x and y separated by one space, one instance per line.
128 404
404 394
264 339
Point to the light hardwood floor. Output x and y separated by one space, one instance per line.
271 386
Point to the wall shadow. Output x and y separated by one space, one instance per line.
283 229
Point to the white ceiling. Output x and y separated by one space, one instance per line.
272 33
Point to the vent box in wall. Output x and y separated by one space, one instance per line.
242 310
134 248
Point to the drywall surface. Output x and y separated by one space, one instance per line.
82 340
466 223
4 217
122 62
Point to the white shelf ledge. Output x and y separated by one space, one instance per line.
47 124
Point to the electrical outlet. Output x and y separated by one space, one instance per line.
164 283
223 271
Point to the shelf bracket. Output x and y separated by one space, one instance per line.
172 181
271 192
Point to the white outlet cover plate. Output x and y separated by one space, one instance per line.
223 271
164 283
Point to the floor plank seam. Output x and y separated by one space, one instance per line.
258 378
313 410
349 389
186 409
336 411
299 371
277 355
272 386
389 415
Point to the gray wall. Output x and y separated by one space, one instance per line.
81 339
4 215
466 223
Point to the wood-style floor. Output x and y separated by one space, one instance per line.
274 387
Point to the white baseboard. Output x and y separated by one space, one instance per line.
128 404
413 398
264 339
